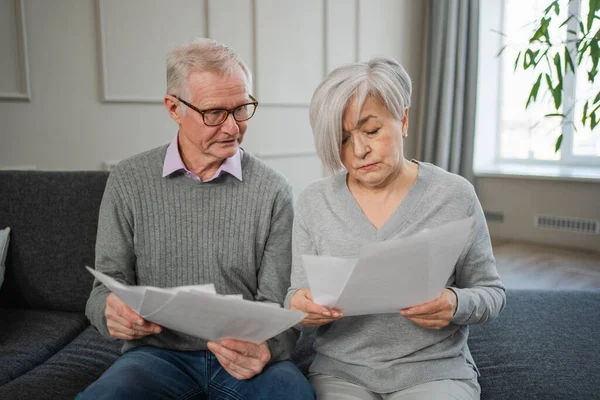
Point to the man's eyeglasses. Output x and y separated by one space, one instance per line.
216 116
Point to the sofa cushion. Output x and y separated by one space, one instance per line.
544 345
30 337
4 239
68 372
53 218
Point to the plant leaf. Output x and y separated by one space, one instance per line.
542 31
517 61
499 32
557 64
551 89
595 55
566 21
555 115
529 59
554 5
585 110
581 50
593 112
558 97
568 61
545 57
534 90
558 143
556 92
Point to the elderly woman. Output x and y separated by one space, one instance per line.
359 117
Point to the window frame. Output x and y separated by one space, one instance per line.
487 158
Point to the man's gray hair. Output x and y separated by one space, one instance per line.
200 55
381 78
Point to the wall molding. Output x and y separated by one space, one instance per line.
206 18
357 31
254 66
25 93
254 42
107 97
25 167
284 105
287 154
325 36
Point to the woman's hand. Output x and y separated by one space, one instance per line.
435 314
317 315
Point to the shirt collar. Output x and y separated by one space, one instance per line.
174 163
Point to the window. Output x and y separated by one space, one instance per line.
513 140
526 135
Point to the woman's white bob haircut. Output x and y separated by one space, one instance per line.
381 78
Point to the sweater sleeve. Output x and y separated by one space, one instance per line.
301 244
479 290
114 250
274 272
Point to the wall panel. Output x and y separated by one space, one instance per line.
135 36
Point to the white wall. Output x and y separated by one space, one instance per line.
96 69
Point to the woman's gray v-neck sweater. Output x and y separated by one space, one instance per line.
387 352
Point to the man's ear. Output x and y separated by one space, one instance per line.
173 108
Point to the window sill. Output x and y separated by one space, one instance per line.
540 172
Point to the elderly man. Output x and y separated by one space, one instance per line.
199 210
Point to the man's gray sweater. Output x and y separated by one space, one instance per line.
173 231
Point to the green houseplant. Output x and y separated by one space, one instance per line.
550 58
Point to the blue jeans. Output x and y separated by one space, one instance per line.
148 372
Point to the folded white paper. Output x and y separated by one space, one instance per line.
200 311
389 275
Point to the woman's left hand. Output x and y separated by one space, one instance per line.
435 314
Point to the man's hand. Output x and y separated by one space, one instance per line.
435 314
317 315
124 323
243 360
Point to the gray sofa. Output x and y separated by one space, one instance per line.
544 345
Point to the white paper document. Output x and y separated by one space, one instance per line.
199 311
389 275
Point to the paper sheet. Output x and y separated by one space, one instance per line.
199 311
390 275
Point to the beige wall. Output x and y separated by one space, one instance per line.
521 199
81 114
91 103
